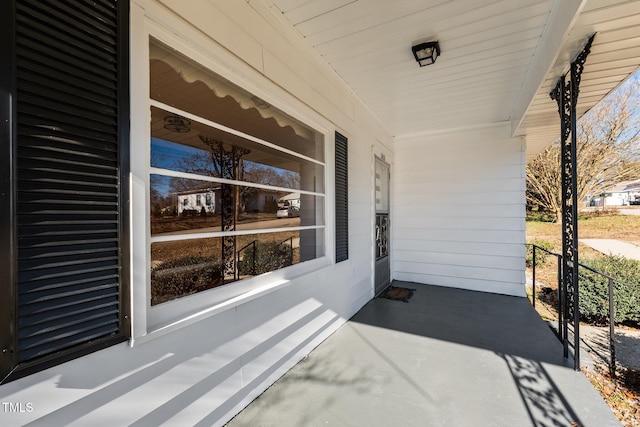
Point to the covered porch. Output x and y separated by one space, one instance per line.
447 357
335 96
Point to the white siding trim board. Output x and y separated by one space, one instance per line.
463 223
457 235
462 272
509 262
463 248
467 198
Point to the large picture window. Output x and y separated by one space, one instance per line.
236 185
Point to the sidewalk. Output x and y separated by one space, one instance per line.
613 247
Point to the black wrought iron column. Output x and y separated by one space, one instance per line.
230 195
228 223
227 162
566 95
561 94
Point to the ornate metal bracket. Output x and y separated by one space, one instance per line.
566 95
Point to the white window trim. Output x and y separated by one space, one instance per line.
147 321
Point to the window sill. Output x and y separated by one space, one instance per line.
257 288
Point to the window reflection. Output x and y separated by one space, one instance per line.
189 266
180 205
177 81
244 140
207 151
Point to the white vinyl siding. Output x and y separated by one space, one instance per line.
460 210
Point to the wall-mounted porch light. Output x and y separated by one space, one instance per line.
426 53
175 123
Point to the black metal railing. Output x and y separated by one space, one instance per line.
568 327
612 316
534 248
290 245
252 247
562 331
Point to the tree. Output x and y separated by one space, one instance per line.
608 152
267 175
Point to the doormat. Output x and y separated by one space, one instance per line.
397 294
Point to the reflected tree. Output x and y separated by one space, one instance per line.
161 204
228 161
266 175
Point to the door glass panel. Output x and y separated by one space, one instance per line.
382 187
382 209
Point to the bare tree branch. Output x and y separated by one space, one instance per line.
608 149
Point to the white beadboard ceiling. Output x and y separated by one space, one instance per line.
499 61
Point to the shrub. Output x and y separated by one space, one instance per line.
268 256
185 261
184 276
539 215
596 213
541 256
594 289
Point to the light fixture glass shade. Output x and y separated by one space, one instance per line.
177 123
426 53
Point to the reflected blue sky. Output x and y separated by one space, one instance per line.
168 155
183 158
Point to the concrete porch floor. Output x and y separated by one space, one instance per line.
448 357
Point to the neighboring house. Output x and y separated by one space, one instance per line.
191 202
195 202
405 172
291 199
634 195
622 194
257 200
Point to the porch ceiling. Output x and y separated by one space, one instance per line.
499 61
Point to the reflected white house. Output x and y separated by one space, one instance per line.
291 199
195 202
208 200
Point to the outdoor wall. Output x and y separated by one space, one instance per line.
459 210
205 367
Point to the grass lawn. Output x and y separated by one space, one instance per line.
622 396
590 226
625 228
621 227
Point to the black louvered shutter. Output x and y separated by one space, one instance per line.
71 115
342 198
